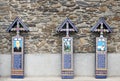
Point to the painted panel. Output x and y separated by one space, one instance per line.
101 45
67 61
17 44
101 57
101 61
17 57
17 61
67 44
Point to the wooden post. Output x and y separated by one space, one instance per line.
17 69
101 56
67 71
17 63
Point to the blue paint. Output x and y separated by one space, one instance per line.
17 61
101 45
67 44
20 41
67 61
101 60
17 76
100 77
67 77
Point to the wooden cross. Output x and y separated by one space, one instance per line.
67 29
101 30
18 28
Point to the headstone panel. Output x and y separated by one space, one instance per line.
67 57
101 57
17 57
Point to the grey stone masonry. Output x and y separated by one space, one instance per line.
42 17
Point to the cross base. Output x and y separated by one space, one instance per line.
17 76
100 76
67 77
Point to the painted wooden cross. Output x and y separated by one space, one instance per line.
67 29
101 48
17 67
67 71
18 29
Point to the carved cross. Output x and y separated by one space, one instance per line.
18 28
67 29
101 30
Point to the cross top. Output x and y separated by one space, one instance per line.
67 26
17 25
101 30
101 27
68 29
18 29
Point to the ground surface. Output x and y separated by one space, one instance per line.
59 79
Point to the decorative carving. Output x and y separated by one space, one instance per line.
101 48
67 49
17 69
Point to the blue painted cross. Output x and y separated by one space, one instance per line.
67 30
17 66
67 23
67 49
101 48
18 29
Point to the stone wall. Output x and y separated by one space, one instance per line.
43 16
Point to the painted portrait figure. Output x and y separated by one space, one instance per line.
101 45
17 45
67 45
